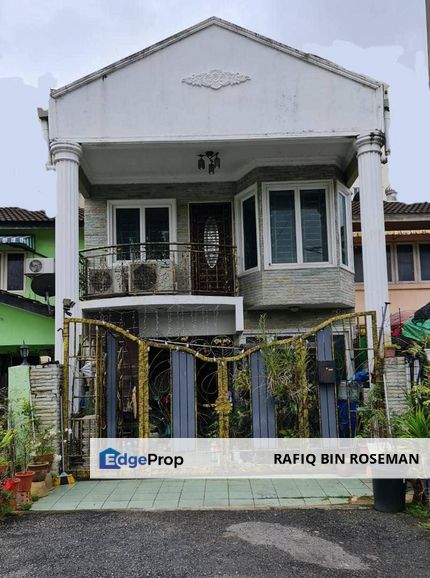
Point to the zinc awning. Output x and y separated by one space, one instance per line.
22 241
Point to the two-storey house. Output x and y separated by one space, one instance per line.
216 167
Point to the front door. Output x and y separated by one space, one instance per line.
212 256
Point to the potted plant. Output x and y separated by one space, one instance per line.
23 441
44 450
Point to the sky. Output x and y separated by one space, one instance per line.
48 43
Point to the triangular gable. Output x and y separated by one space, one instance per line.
214 21
215 81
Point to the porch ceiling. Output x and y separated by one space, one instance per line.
117 163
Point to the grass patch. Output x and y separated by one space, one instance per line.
421 513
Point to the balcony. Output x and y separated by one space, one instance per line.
158 269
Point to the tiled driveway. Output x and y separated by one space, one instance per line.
190 494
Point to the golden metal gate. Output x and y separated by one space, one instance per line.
111 376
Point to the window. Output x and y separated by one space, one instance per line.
15 272
127 231
246 225
157 231
298 224
389 264
343 215
314 226
149 222
424 251
405 263
408 263
283 227
249 224
358 264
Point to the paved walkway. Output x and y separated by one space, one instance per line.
201 494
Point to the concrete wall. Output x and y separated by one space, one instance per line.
45 385
403 296
320 287
17 325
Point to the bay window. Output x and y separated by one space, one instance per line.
297 218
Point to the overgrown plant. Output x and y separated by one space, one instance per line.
286 367
23 426
372 419
415 423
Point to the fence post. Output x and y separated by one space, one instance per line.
263 404
143 390
327 383
223 404
183 395
111 382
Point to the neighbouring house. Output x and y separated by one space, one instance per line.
407 234
27 248
215 167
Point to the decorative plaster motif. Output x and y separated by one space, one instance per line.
216 79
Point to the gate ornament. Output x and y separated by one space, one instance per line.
223 405
216 79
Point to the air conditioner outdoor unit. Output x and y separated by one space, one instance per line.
143 277
100 282
39 266
155 276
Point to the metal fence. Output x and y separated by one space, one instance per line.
309 385
158 269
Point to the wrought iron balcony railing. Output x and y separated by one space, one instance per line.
158 269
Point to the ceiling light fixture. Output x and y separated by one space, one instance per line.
214 162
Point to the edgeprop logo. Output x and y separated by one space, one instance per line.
111 459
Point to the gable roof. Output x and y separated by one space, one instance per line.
214 21
410 210
22 217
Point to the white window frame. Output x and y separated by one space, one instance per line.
394 264
298 186
141 205
4 273
416 261
342 191
239 199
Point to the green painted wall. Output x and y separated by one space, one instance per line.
44 243
17 326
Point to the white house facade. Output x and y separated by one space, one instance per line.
216 167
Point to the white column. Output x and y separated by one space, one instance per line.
66 159
372 226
